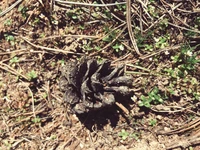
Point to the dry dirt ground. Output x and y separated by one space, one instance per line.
158 41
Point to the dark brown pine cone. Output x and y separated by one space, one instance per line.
89 85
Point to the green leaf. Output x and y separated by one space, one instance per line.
123 134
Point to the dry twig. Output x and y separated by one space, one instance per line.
130 31
193 124
49 49
88 4
10 8
11 70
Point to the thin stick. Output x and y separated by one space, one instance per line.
10 8
109 44
183 128
33 103
161 50
122 107
73 36
110 32
73 136
130 31
113 13
49 49
87 4
11 52
11 70
138 67
195 31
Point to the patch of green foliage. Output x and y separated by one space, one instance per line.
36 119
111 34
8 22
23 10
153 97
181 79
152 122
124 135
32 75
14 60
184 62
118 47
10 39
162 41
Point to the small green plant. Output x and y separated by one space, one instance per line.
152 122
143 41
185 61
36 119
135 136
42 35
148 47
53 64
174 73
153 97
118 47
32 75
121 8
8 22
14 60
161 42
123 134
82 27
45 95
62 62
97 48
74 14
152 10
151 1
107 13
10 38
197 22
52 137
36 21
112 35
23 10
163 24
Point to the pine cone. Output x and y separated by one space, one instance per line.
89 85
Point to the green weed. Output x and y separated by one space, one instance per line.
152 122
14 60
118 47
135 136
123 134
36 119
153 97
10 39
111 36
8 22
162 41
185 61
32 75
23 10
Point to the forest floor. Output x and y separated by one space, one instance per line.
157 40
